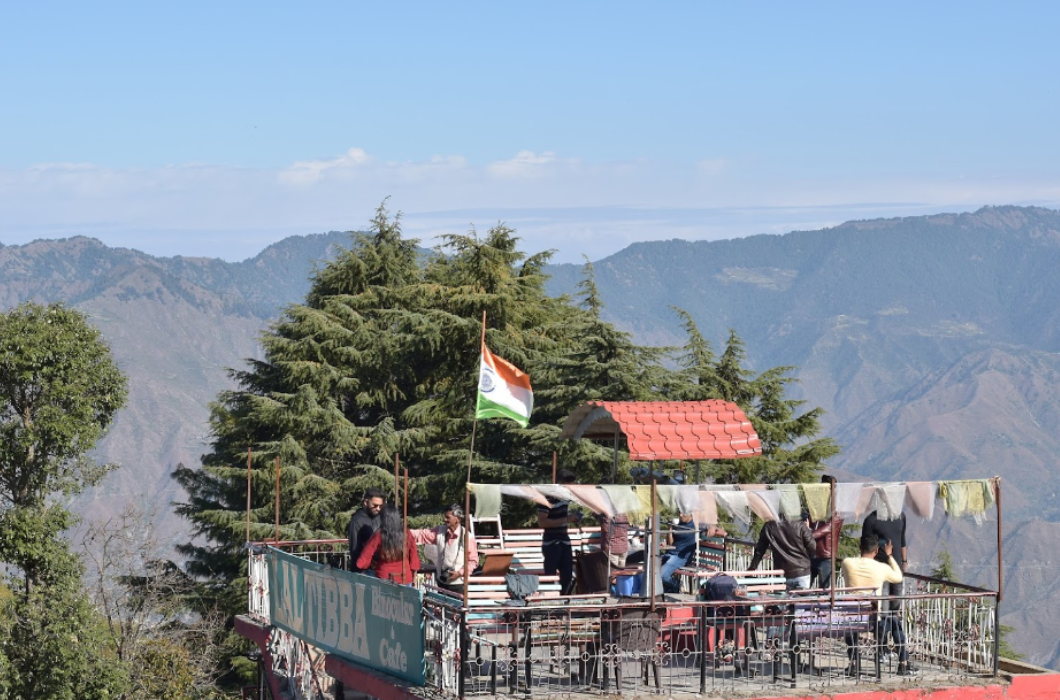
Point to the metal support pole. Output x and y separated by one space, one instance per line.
997 634
833 540
248 493
277 499
460 687
654 543
614 459
703 648
997 501
1000 579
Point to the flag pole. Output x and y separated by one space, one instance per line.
405 524
470 457
277 499
248 493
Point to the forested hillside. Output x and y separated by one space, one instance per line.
932 343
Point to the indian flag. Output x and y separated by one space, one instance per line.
503 390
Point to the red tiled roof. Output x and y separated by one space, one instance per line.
713 429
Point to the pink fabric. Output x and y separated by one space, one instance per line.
592 498
765 504
708 509
920 495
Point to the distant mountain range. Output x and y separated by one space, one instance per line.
932 342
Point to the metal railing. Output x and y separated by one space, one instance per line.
724 649
732 648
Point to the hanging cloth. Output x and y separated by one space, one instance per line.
646 504
920 497
688 500
667 496
889 501
790 505
487 500
735 502
847 496
707 512
523 491
967 497
623 498
866 502
817 498
554 492
593 498
765 504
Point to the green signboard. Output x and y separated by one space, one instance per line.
360 618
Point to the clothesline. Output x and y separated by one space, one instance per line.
853 500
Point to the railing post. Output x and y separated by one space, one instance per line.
460 670
703 648
997 633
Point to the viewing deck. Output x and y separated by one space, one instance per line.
326 633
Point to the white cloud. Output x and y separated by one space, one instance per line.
524 164
307 172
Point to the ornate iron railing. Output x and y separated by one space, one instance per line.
679 648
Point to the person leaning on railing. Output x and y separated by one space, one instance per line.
792 544
391 553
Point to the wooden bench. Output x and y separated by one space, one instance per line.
753 582
526 546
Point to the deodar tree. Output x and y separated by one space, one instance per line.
381 360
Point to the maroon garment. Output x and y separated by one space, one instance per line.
825 544
615 534
372 558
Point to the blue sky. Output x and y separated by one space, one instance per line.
217 128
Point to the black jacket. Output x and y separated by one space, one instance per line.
792 544
361 527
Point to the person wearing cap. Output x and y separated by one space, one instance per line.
449 566
555 540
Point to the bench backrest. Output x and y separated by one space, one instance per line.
525 545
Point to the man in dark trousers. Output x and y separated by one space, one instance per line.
826 534
363 524
555 540
792 545
891 531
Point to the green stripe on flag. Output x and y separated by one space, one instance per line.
488 409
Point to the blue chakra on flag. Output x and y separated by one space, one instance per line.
486 384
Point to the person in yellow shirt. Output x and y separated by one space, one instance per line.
865 572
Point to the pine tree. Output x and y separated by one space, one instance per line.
791 450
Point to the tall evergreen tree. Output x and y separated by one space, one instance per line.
382 360
792 452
